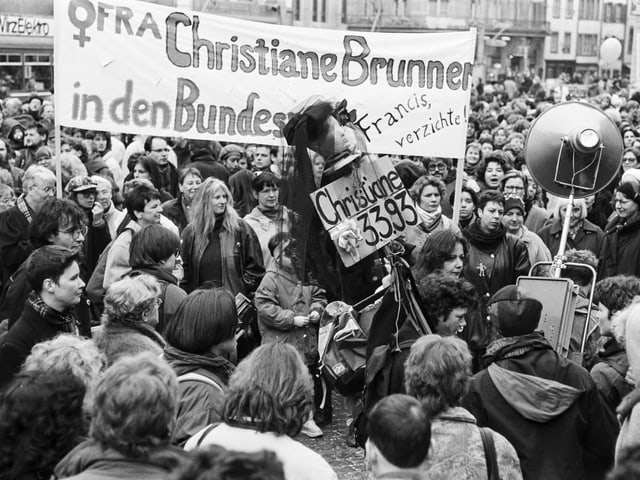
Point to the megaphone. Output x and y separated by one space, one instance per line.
573 150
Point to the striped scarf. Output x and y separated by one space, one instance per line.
64 321
24 208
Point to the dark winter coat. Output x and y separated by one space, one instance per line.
14 242
609 373
548 408
620 253
241 259
199 403
16 346
589 237
174 211
503 264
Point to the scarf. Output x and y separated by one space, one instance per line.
482 239
510 347
63 321
273 214
429 220
24 208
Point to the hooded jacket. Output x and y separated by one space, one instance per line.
9 126
90 461
547 407
199 403
279 298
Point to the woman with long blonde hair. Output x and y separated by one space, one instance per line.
218 247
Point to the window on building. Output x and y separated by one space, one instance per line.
433 8
621 13
630 41
554 42
608 13
570 9
588 9
587 45
31 71
566 44
556 9
319 13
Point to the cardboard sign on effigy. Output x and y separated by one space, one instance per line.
374 197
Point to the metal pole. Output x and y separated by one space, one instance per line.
558 261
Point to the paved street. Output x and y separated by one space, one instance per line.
348 462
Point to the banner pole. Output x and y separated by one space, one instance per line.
458 191
56 104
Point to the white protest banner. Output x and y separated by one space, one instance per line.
380 206
144 68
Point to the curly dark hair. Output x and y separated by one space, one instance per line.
616 292
494 157
41 420
437 249
442 293
217 463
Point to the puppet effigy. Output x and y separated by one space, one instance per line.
327 129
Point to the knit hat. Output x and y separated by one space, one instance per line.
513 202
513 313
80 184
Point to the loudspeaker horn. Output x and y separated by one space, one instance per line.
573 149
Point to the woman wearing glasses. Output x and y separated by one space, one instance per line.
516 184
427 192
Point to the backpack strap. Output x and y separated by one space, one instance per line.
197 377
490 456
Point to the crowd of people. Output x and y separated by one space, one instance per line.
161 319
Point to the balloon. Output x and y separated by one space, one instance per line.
610 50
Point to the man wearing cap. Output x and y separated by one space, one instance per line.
82 190
547 406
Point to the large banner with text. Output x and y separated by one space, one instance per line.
143 68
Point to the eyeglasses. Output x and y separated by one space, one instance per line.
49 189
76 234
178 252
629 159
513 188
439 166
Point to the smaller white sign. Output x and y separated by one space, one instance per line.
380 207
